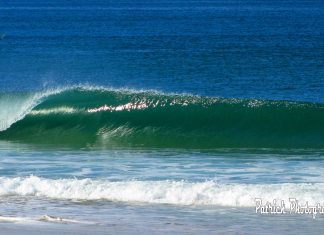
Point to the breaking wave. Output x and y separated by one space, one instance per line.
160 192
86 116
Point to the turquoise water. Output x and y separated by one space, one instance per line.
100 117
157 191
163 117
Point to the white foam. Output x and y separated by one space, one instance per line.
44 218
55 219
171 192
13 219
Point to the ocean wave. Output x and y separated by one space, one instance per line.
161 192
94 116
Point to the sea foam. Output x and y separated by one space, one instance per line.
160 192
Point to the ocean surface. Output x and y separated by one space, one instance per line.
160 117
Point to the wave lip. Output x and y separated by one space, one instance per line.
14 107
161 192
88 116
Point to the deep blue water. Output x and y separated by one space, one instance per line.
259 49
271 50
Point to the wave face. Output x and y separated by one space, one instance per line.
84 116
157 192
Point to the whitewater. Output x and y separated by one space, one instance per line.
161 192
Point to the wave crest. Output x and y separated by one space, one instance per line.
85 116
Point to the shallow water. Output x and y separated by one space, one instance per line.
157 191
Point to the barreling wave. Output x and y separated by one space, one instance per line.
85 116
